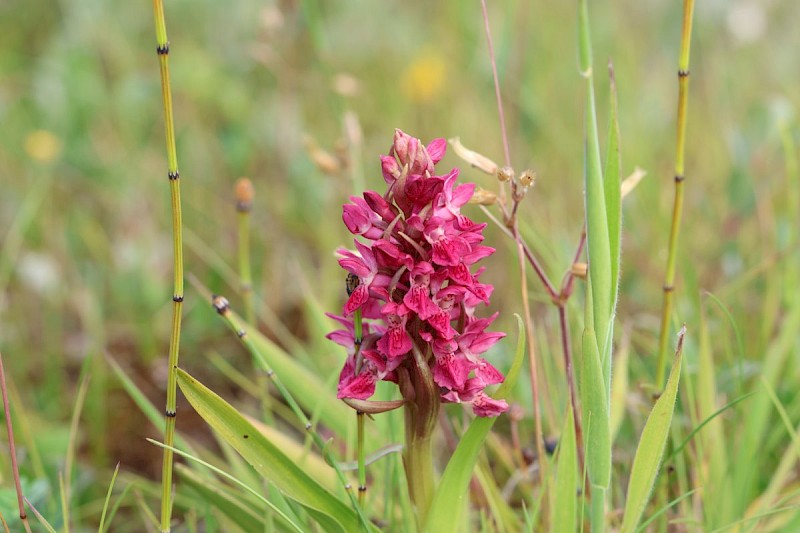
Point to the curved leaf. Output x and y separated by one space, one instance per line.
266 458
651 446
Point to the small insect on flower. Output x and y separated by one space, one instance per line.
351 283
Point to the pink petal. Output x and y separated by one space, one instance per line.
441 323
485 406
448 251
451 372
395 342
419 301
436 149
488 373
356 300
359 387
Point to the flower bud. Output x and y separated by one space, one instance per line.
324 160
505 174
475 159
244 192
579 270
483 197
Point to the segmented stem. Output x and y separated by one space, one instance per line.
362 467
162 48
677 206
223 308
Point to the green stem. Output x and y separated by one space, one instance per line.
418 460
362 468
421 414
177 241
598 509
245 276
677 206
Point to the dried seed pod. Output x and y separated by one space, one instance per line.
527 177
481 162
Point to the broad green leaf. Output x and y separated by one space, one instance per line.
651 447
565 501
446 510
267 458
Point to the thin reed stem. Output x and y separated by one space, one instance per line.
162 48
12 449
511 223
492 57
677 206
244 205
223 308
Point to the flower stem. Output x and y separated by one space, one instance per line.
421 414
418 461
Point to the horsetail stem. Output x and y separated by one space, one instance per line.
677 206
162 48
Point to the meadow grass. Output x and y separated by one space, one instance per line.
86 254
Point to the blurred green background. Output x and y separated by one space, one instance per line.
85 242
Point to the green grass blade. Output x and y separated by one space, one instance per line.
445 513
597 230
620 383
565 501
267 458
222 501
234 480
651 446
611 183
101 527
594 402
306 386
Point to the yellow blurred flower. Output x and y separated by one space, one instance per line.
43 146
424 77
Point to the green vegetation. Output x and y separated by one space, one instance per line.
302 97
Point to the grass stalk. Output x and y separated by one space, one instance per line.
223 308
677 206
162 48
12 449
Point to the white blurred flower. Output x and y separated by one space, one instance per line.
747 21
38 271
